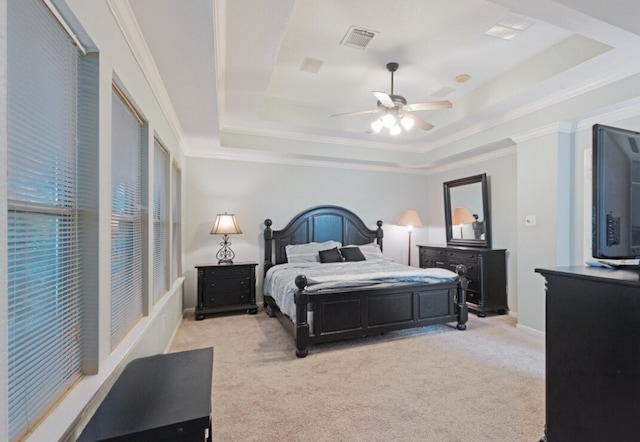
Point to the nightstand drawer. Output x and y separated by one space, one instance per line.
222 299
227 285
227 271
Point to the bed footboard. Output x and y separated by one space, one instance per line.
365 312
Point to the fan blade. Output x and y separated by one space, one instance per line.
384 98
424 125
356 113
433 105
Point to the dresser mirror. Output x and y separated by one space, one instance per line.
466 210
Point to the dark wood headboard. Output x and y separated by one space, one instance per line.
318 224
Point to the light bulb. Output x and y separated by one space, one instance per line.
376 125
407 122
388 120
395 130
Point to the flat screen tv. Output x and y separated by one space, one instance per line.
616 193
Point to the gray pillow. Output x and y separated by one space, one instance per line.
352 254
331 255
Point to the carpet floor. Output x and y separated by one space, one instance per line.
429 384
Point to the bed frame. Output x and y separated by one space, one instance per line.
342 314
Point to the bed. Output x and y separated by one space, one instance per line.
317 307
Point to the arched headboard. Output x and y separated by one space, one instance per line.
318 224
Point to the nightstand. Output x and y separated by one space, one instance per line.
225 288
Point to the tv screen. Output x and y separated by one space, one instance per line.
616 193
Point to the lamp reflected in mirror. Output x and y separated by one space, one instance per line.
460 217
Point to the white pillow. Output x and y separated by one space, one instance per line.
370 251
308 252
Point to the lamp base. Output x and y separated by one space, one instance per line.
225 255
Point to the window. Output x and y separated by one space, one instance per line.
47 223
128 175
176 216
160 221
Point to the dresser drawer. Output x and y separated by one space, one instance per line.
433 258
473 297
463 256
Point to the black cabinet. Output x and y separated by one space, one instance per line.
226 287
592 358
164 397
486 272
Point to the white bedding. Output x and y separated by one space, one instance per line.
279 280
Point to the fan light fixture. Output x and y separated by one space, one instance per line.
377 125
407 122
397 114
388 120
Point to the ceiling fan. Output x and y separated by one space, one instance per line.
396 112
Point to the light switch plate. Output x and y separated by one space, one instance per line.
530 220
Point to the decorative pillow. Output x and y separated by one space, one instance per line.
371 251
352 254
331 255
297 253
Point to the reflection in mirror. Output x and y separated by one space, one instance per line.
467 212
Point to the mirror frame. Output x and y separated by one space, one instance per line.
451 241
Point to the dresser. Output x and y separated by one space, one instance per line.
592 358
486 272
226 287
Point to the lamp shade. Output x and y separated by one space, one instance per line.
410 218
225 224
461 216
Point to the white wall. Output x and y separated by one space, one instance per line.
256 191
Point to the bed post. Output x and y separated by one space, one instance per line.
268 245
463 310
379 234
302 326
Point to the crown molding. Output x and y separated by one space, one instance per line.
547 101
125 19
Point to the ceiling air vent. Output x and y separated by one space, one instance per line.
509 26
311 65
357 37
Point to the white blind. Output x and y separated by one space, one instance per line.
45 284
176 215
126 219
160 221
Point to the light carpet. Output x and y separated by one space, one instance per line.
430 384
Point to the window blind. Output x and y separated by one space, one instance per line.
176 221
44 282
126 219
160 221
